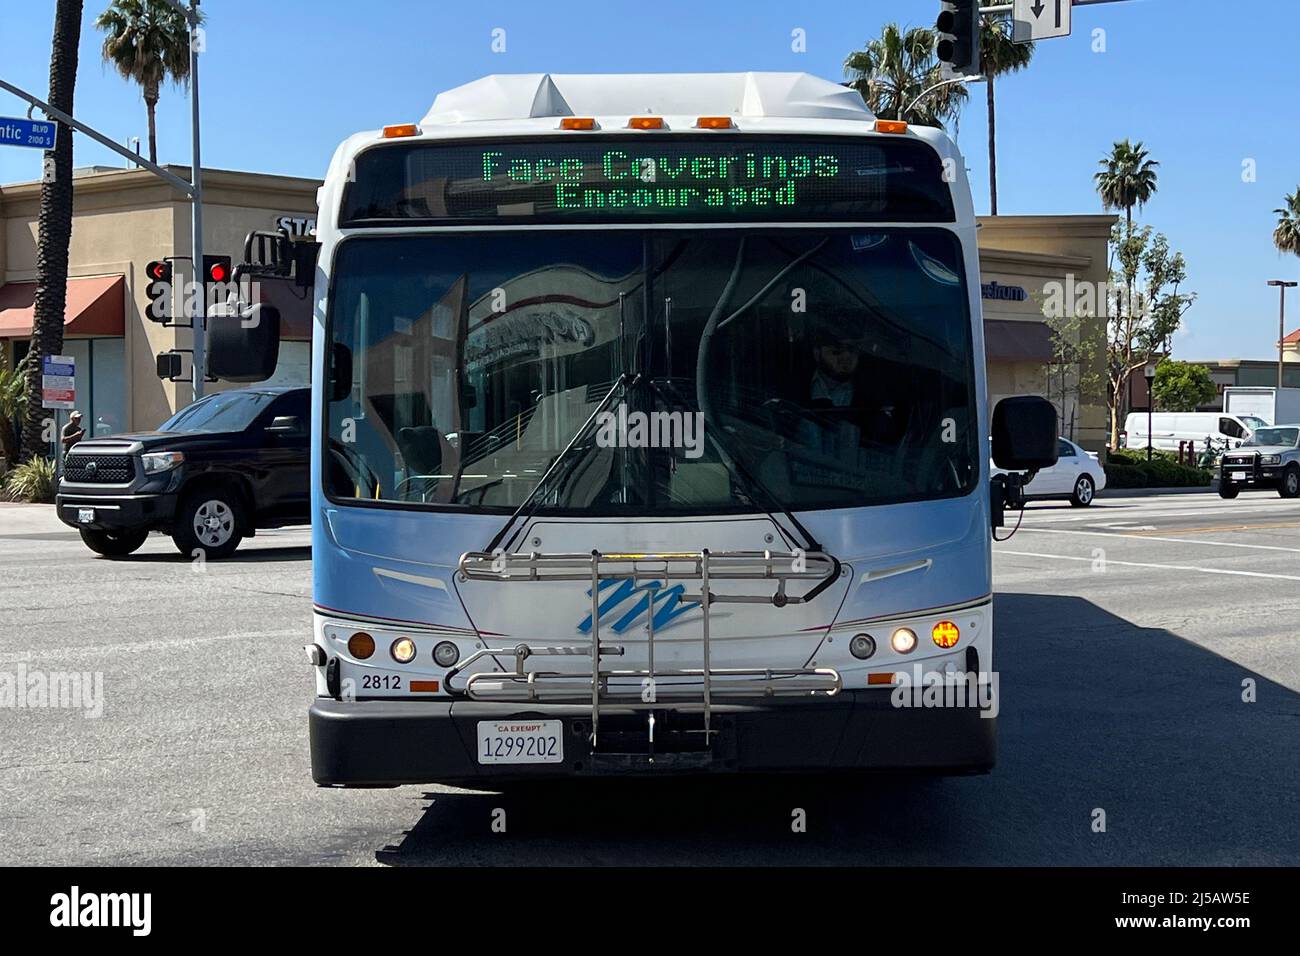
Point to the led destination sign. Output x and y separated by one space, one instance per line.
721 178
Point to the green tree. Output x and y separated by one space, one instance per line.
1287 234
147 42
1127 178
1075 372
1139 325
999 55
13 404
54 230
1182 386
892 72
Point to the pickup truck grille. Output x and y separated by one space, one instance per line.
99 469
1239 461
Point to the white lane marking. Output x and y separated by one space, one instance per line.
1152 537
138 647
1156 514
1165 567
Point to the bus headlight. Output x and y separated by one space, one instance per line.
361 645
445 653
945 634
862 646
904 640
403 650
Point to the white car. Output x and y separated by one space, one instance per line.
1077 475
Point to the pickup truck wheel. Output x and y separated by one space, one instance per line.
113 544
1084 492
1290 484
209 521
1228 490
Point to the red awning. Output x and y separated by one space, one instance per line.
96 306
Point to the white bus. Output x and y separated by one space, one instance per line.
650 437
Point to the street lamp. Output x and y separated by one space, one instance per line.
1149 373
1282 286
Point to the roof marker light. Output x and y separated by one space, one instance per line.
646 122
890 126
714 122
577 122
402 129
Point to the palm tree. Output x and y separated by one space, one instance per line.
147 41
55 229
895 69
999 54
1287 234
1127 179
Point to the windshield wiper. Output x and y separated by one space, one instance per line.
748 480
529 504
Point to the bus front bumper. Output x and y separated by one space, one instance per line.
379 743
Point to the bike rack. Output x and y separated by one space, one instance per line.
683 684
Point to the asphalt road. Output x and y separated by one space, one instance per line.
1125 634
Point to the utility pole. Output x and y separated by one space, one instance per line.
1281 286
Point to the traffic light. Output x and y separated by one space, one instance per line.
159 291
169 365
217 269
958 48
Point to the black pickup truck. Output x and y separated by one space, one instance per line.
211 475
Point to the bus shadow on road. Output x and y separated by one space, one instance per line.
244 555
1119 745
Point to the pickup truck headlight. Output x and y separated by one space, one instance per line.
156 462
1270 460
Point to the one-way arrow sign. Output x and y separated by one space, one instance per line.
1041 19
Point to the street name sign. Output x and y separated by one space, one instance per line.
36 134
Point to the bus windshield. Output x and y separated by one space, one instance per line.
835 366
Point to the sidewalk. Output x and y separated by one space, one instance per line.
17 518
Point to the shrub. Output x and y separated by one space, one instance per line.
1130 470
32 481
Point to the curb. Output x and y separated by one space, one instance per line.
1154 492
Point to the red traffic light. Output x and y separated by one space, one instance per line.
159 271
217 268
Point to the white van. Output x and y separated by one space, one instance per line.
1170 428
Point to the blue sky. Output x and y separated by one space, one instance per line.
1202 88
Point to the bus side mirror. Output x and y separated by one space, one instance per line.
244 346
1024 433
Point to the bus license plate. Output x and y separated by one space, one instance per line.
520 741
1238 476
85 515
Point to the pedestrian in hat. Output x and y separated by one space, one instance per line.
72 432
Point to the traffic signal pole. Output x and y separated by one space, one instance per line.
193 189
200 317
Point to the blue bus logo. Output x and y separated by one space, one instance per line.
628 603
